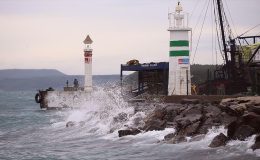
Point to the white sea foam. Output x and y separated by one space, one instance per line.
99 112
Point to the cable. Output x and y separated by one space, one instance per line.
249 30
194 9
200 32
232 22
200 16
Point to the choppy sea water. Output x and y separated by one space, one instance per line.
27 132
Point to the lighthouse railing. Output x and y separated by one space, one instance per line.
178 20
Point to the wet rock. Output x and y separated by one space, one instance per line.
171 112
237 106
252 120
226 119
127 132
242 128
159 113
236 110
178 139
214 120
243 131
191 129
70 124
189 119
232 129
219 140
255 109
197 109
155 124
169 136
211 111
205 126
256 145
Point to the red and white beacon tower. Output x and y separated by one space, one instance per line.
88 64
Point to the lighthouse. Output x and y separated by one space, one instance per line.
179 54
88 64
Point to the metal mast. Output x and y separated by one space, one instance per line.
222 33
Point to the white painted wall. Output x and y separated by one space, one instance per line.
177 72
88 76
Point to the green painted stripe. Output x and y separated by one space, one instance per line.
179 53
180 43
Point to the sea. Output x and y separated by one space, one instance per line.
30 133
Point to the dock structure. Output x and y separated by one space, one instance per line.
151 77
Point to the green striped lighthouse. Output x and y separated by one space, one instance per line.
179 54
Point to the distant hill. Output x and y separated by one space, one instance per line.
34 79
20 80
28 73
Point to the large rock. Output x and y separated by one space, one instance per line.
205 126
244 127
253 120
211 111
256 145
127 132
237 106
219 140
232 129
171 112
193 109
155 124
255 109
236 110
190 130
159 113
187 120
225 119
211 116
243 131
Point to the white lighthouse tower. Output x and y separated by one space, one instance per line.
88 64
179 55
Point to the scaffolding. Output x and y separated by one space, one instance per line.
151 77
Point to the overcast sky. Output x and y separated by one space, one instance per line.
49 34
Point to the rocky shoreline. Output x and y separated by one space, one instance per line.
240 116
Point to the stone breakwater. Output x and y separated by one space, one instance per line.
190 118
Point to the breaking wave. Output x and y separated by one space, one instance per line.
106 112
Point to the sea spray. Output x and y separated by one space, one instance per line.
100 110
106 112
30 133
